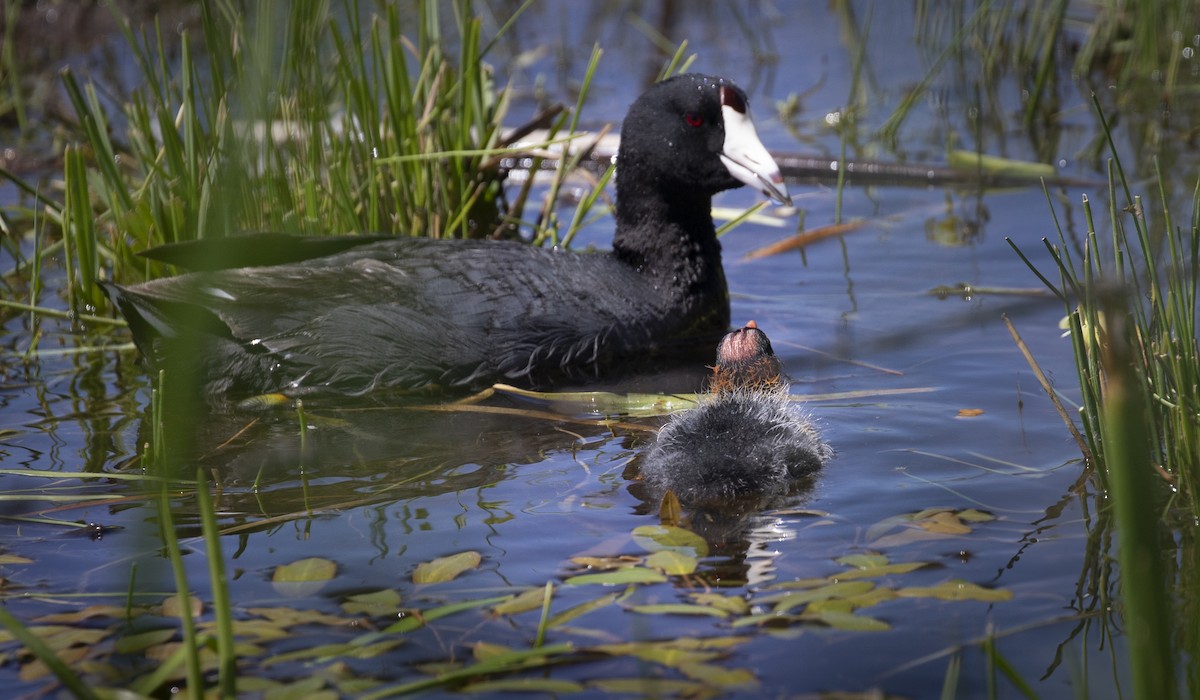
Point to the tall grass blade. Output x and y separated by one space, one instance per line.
222 604
70 680
1140 548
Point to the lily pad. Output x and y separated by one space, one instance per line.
445 569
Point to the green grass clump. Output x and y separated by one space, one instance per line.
299 119
1131 315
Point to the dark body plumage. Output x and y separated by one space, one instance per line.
414 313
745 439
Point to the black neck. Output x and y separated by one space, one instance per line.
671 239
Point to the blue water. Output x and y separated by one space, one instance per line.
852 314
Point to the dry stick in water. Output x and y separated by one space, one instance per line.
1062 411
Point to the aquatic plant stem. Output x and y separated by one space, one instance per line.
222 605
541 631
1143 581
1046 386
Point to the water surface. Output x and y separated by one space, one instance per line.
391 487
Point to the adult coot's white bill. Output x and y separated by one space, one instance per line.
414 313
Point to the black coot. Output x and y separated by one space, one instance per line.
746 439
416 313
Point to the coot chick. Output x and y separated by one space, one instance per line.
414 313
745 440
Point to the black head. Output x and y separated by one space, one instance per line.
692 135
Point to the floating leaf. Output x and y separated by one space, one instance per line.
651 687
973 515
726 642
606 562
970 412
326 652
787 602
678 609
800 583
417 619
807 512
945 523
569 614
907 536
304 689
304 577
672 563
723 678
849 622
854 602
530 599
35 670
482 651
445 569
670 510
375 604
862 561
957 589
290 617
14 559
657 538
632 574
170 606
525 685
60 637
87 613
131 644
884 570
729 603
886 525
665 653
998 166
256 630
765 619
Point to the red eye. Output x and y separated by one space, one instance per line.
693 119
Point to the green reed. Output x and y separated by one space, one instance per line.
1131 314
301 120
